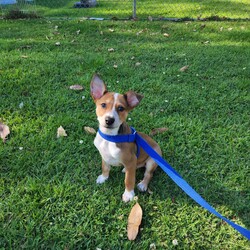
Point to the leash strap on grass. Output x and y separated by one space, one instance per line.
175 176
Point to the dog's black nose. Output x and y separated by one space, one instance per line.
109 120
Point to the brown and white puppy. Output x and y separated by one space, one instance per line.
112 110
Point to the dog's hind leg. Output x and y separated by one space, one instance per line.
150 168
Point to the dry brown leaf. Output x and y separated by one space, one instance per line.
150 18
90 130
150 191
142 31
158 131
61 132
4 131
152 246
76 87
183 69
134 221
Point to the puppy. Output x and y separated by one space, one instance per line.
112 110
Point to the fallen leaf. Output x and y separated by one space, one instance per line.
206 42
90 130
4 131
82 19
111 30
150 18
203 26
111 50
183 69
134 221
115 66
120 217
152 246
166 35
78 32
175 242
150 191
158 131
137 64
23 56
21 105
57 43
141 31
61 132
76 87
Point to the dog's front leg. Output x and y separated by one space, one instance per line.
129 193
105 173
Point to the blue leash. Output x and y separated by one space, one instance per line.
175 176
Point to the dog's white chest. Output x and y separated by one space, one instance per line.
108 150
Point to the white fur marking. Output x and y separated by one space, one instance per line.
142 187
101 179
108 150
128 195
115 99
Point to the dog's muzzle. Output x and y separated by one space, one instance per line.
109 120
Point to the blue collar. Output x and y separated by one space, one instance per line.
122 138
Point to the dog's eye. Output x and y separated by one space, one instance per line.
103 105
120 108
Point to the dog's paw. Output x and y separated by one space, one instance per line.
142 186
128 195
101 179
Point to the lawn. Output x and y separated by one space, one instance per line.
49 198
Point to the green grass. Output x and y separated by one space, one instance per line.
49 199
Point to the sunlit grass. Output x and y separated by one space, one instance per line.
157 9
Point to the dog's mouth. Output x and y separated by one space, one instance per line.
109 126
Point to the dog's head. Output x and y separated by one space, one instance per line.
112 108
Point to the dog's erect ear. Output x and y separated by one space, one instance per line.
133 99
97 87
